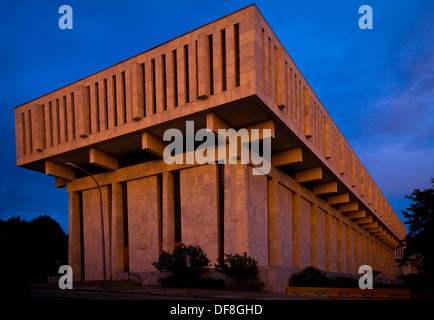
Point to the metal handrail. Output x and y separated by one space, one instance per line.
135 275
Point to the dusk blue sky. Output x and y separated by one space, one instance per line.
378 85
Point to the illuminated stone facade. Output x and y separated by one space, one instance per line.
317 206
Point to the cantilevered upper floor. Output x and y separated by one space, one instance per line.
232 72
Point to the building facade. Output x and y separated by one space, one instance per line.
317 205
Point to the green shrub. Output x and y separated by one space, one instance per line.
175 263
344 282
309 277
313 277
242 268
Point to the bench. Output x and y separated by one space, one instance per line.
382 293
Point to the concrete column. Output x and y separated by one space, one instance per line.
74 234
143 223
357 251
350 250
168 223
362 250
314 246
199 207
370 252
257 217
246 217
386 262
391 261
279 224
381 261
274 254
328 243
92 232
321 214
296 232
374 254
341 252
305 227
229 211
117 236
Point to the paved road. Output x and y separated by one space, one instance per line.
48 294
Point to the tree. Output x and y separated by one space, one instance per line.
420 238
49 245
30 250
14 273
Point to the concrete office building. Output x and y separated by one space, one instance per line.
317 206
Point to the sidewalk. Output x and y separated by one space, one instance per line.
215 294
201 293
198 293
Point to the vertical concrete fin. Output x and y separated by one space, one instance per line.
203 66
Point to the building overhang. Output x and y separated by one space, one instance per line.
233 71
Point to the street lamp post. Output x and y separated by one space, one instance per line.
105 283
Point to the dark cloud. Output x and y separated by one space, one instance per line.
401 129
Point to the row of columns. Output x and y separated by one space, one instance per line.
293 232
85 229
319 238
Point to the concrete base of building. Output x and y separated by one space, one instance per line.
275 278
